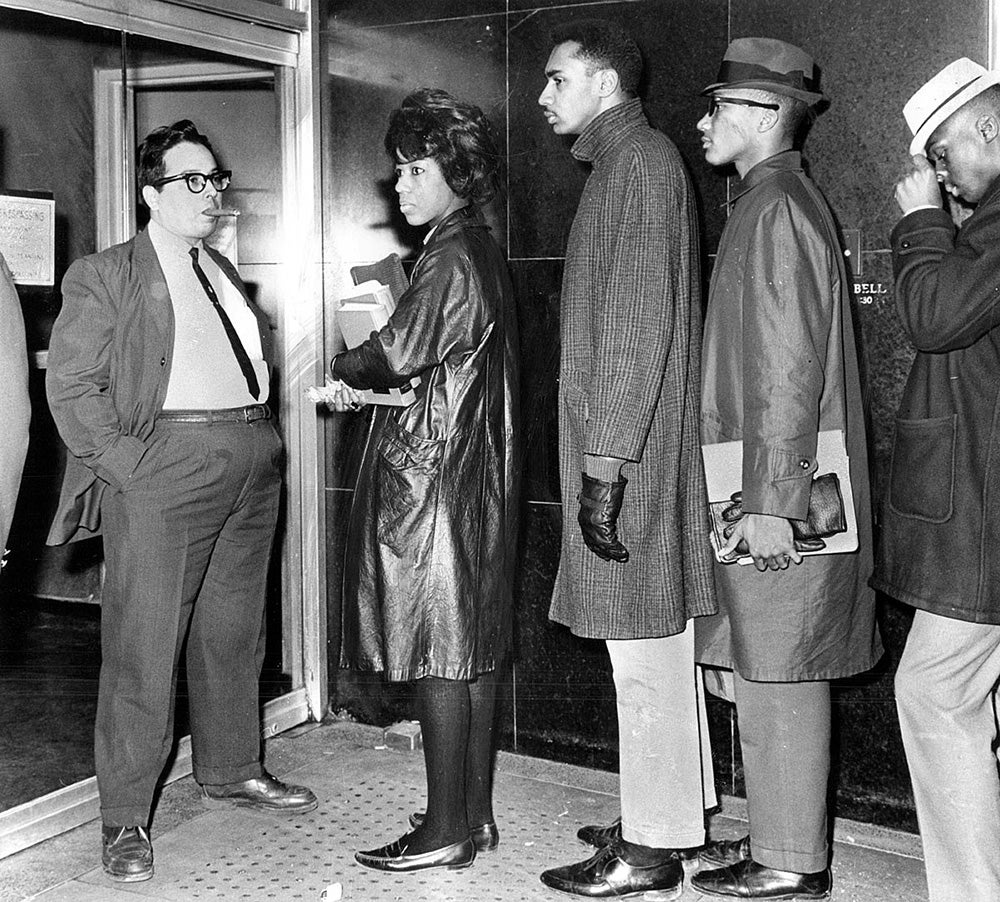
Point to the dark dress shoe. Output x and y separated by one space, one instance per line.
126 853
597 836
600 836
394 857
749 880
265 793
722 852
485 837
606 875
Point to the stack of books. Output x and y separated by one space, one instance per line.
366 310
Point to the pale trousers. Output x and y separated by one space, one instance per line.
945 689
665 760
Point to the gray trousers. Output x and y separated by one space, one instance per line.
187 544
665 760
946 687
785 741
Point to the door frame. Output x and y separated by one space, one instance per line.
300 336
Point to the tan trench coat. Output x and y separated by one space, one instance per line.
780 364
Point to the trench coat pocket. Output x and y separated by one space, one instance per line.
922 469
408 467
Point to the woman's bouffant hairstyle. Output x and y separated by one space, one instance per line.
431 124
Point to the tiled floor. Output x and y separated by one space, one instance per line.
366 793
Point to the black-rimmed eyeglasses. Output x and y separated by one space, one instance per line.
196 181
715 102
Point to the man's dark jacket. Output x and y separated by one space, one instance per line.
940 542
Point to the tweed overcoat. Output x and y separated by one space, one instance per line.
780 365
431 542
940 539
628 387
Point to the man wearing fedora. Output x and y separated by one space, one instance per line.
779 366
938 549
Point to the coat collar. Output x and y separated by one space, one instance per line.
608 130
990 195
786 161
464 217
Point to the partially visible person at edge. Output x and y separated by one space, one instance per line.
432 534
16 406
780 365
635 565
940 529
157 380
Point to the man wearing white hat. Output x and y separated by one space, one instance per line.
941 532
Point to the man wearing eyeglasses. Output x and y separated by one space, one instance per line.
158 383
779 366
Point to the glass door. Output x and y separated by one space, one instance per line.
79 99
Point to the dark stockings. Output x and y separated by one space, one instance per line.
456 724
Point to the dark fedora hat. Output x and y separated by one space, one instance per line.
768 64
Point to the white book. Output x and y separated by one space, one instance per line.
724 476
366 309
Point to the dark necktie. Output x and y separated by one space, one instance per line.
241 355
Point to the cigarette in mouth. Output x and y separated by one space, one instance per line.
222 211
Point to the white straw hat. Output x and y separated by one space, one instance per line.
953 87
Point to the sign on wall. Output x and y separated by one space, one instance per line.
28 236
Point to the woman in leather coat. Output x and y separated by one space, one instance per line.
429 558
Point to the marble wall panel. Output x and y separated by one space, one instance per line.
578 7
367 13
872 57
536 286
371 71
681 45
887 356
565 700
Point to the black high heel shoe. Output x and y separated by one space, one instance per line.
485 837
394 857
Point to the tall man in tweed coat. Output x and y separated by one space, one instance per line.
635 564
780 365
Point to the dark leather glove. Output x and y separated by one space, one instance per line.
600 504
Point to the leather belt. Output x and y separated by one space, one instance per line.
223 415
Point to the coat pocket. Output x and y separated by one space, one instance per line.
406 478
922 469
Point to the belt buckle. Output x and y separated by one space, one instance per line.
246 414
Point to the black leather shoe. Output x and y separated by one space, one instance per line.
265 793
606 875
485 837
126 853
749 880
393 857
722 852
600 836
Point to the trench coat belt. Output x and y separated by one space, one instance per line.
249 414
